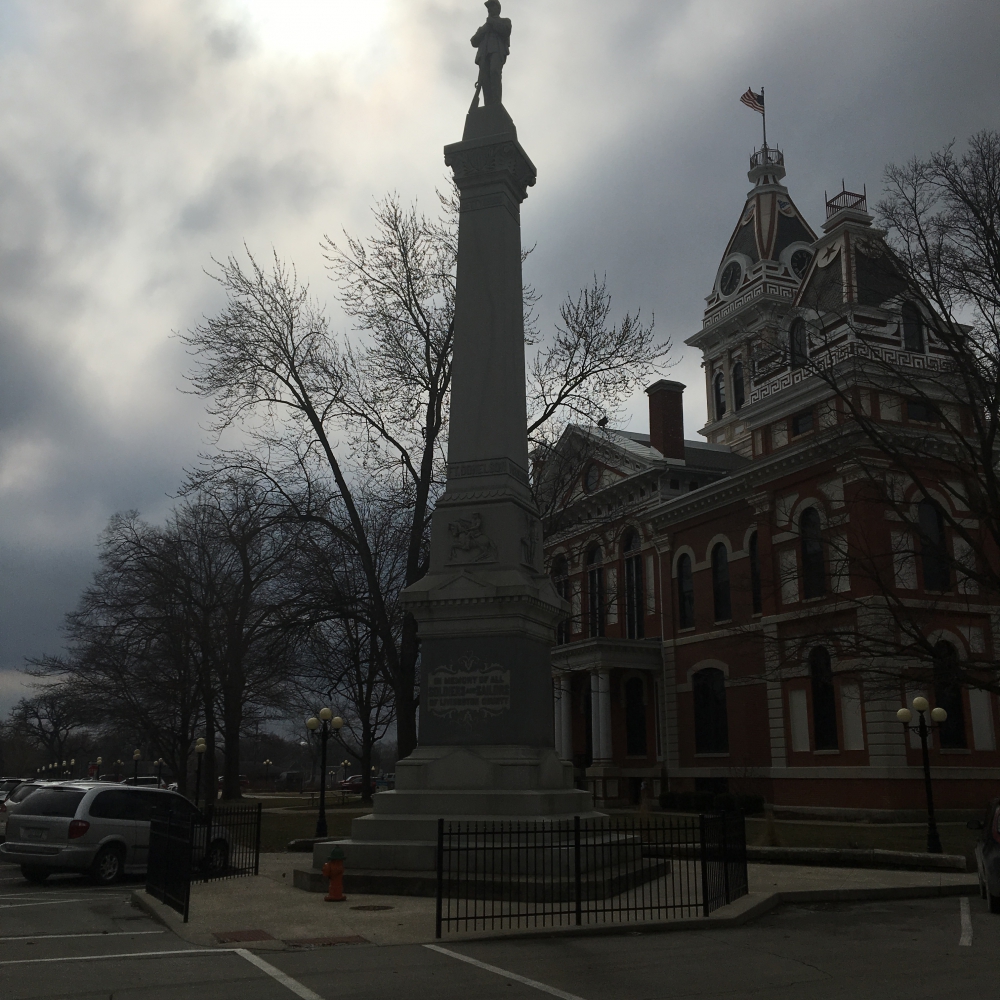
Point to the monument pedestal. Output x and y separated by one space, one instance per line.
486 610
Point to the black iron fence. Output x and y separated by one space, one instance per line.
492 876
223 842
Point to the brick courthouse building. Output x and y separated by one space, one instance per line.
689 566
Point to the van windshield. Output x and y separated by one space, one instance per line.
54 802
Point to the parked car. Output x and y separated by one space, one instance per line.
7 785
353 784
145 781
20 791
96 828
244 783
988 855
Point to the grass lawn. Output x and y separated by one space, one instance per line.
278 828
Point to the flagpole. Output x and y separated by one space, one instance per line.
763 115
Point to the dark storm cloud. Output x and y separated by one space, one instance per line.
140 139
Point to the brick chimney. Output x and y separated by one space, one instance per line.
666 418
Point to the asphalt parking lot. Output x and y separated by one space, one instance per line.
70 939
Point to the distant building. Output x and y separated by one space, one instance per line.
702 577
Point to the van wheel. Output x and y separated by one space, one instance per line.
109 866
33 874
217 857
994 903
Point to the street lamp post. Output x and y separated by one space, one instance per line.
72 767
99 762
938 715
267 766
329 721
159 771
135 758
199 748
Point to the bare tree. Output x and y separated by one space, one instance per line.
56 720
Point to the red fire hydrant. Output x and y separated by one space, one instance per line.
334 871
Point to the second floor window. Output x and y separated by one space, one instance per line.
685 592
720 583
595 594
634 598
813 569
933 550
948 695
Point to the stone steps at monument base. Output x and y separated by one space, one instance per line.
602 883
537 804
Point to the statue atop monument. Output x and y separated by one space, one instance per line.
492 41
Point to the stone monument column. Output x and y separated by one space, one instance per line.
486 610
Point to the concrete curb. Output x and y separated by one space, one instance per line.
740 912
852 857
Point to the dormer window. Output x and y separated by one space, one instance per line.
720 396
797 344
738 390
913 329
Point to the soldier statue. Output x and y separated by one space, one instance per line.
492 41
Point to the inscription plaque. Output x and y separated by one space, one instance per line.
470 689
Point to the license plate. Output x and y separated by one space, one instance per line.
31 833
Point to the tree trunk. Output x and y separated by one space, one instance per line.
366 759
232 706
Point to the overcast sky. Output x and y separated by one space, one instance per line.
141 138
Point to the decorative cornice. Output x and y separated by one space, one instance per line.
478 161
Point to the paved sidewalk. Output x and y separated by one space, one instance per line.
267 912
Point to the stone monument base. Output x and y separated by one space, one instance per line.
482 783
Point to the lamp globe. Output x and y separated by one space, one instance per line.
904 715
939 714
920 703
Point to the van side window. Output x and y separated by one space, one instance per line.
111 805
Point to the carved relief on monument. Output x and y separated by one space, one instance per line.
469 690
469 542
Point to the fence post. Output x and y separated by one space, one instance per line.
256 850
440 878
725 856
704 864
576 870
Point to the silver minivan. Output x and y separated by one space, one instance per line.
96 828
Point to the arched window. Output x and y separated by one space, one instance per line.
948 695
560 580
798 350
635 717
933 549
720 583
711 721
595 593
755 592
635 609
913 329
824 703
739 393
813 570
685 592
720 396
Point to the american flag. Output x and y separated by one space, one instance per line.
753 101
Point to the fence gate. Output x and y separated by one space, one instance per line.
223 842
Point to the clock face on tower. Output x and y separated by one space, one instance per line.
730 279
800 261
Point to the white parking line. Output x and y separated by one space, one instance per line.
52 937
48 902
278 976
965 941
503 972
124 954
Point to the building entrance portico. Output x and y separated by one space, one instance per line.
608 716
